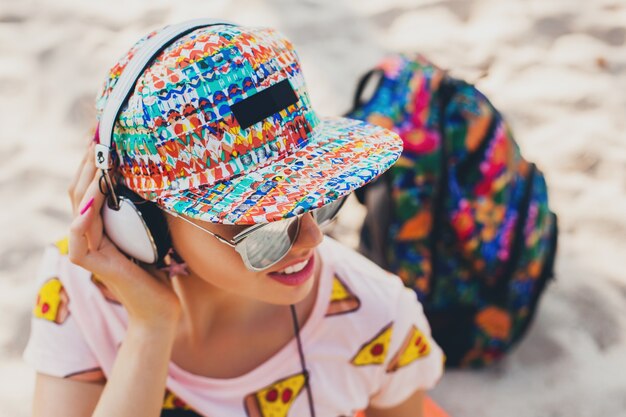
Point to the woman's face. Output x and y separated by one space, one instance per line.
221 266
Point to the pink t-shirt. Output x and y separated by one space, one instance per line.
367 342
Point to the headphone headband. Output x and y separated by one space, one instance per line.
127 80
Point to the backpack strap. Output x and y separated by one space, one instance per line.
374 241
357 103
363 81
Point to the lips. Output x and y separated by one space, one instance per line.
295 274
294 267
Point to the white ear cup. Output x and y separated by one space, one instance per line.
128 231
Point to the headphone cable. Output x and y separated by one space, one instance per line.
307 383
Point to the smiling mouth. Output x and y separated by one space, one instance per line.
294 268
295 274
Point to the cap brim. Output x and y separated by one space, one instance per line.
341 156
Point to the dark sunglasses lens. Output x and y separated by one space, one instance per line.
270 243
325 214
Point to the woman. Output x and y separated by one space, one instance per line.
249 311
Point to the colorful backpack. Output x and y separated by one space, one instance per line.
462 218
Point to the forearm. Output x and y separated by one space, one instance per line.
136 385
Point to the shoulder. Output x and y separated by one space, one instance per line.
368 303
65 304
56 263
60 283
380 327
55 272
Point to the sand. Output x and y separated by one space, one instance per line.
556 69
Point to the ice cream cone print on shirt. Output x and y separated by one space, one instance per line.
374 351
52 302
342 299
415 346
275 400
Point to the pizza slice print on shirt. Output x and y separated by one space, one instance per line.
342 299
63 245
275 400
175 407
374 351
415 346
52 302
88 375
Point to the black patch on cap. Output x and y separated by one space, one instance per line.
263 104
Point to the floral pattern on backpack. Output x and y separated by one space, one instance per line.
464 218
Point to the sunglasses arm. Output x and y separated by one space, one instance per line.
216 236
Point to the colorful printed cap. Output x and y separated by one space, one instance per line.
220 128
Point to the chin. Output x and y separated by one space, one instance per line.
280 294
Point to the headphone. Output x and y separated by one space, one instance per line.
136 226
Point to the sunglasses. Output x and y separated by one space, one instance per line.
262 246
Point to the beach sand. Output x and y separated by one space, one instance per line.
556 69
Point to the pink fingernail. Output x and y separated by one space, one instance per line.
86 207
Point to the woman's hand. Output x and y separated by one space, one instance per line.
149 300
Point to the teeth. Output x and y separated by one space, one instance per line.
294 268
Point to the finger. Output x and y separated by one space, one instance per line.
88 154
93 200
86 175
83 179
76 176
87 228
78 248
92 191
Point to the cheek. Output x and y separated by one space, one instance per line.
207 257
221 266
212 261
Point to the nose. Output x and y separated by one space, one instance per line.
310 234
